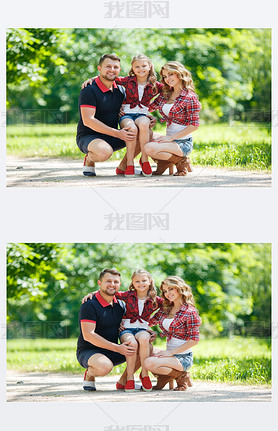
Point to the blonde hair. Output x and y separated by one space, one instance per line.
151 76
152 292
183 74
183 289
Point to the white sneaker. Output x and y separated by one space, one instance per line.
88 385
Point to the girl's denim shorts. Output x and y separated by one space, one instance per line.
132 116
132 331
186 145
186 360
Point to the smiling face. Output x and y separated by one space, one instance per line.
109 69
170 293
141 284
171 78
109 284
141 68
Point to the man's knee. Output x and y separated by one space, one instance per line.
102 368
99 151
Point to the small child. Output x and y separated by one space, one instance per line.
141 301
141 87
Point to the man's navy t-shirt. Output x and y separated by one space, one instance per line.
107 104
106 317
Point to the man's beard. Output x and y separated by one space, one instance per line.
109 293
108 78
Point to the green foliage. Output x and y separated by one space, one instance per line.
237 146
231 68
241 361
231 283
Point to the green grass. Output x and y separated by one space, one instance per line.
240 360
241 146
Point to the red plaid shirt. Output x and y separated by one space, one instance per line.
132 311
185 325
185 110
132 97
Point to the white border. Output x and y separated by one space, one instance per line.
215 215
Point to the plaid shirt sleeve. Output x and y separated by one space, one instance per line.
193 321
193 107
122 80
153 106
154 320
122 295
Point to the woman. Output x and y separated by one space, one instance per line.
179 107
179 321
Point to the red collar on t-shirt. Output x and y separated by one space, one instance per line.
102 301
102 87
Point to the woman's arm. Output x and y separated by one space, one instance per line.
185 346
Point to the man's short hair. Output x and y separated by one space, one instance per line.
111 56
112 271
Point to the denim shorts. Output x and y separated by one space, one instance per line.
186 360
84 356
132 116
84 140
132 331
186 145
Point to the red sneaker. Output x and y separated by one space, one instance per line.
130 386
119 386
146 168
146 383
119 171
130 172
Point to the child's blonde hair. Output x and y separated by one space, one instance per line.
183 289
183 74
151 76
152 292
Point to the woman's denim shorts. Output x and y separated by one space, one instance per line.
186 360
186 145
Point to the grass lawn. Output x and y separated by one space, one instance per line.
241 146
238 360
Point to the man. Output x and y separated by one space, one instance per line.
98 135
99 318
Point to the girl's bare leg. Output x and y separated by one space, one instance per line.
143 124
143 339
130 145
130 360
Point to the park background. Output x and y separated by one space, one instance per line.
231 284
231 69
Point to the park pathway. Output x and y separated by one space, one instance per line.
30 387
46 172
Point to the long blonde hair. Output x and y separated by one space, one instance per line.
183 289
183 74
152 292
151 76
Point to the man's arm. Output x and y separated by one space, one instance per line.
89 120
88 332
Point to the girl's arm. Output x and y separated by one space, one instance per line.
122 295
122 80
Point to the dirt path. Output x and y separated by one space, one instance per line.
46 172
68 387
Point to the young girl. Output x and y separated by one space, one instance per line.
141 301
179 321
141 86
179 107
